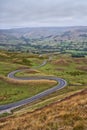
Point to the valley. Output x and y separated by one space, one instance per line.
45 39
34 61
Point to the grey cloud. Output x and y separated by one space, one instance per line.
42 13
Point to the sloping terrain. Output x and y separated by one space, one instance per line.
68 114
44 39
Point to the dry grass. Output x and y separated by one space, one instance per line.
69 114
32 71
42 81
84 68
80 60
14 81
4 55
61 62
2 77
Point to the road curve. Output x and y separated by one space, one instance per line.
61 84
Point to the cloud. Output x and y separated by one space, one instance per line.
22 13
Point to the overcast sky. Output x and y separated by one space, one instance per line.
36 13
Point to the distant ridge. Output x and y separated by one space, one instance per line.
33 38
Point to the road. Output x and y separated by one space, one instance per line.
61 84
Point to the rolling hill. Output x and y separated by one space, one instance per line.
44 38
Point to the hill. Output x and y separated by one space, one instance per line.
53 112
67 114
44 39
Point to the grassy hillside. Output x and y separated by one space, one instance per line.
13 90
69 114
73 70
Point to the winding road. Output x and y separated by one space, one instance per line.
61 84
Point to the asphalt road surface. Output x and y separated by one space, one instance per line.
61 84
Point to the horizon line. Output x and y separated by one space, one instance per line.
44 27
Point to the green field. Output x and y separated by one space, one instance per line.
73 70
13 91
